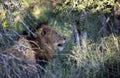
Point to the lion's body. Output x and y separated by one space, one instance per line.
23 50
39 47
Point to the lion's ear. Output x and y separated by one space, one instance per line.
45 31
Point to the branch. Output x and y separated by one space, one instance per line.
21 21
84 40
76 35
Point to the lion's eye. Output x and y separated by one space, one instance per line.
64 38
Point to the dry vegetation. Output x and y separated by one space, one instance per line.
96 56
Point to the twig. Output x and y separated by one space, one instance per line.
76 35
21 21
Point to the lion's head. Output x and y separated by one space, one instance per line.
49 36
49 40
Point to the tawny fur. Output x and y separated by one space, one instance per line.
41 45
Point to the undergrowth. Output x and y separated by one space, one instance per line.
100 60
95 63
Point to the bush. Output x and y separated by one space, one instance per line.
101 58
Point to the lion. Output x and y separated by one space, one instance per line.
40 47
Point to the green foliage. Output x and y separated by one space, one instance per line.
102 51
86 15
97 62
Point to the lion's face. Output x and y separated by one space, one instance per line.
58 40
52 37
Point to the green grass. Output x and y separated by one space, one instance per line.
101 60
91 64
